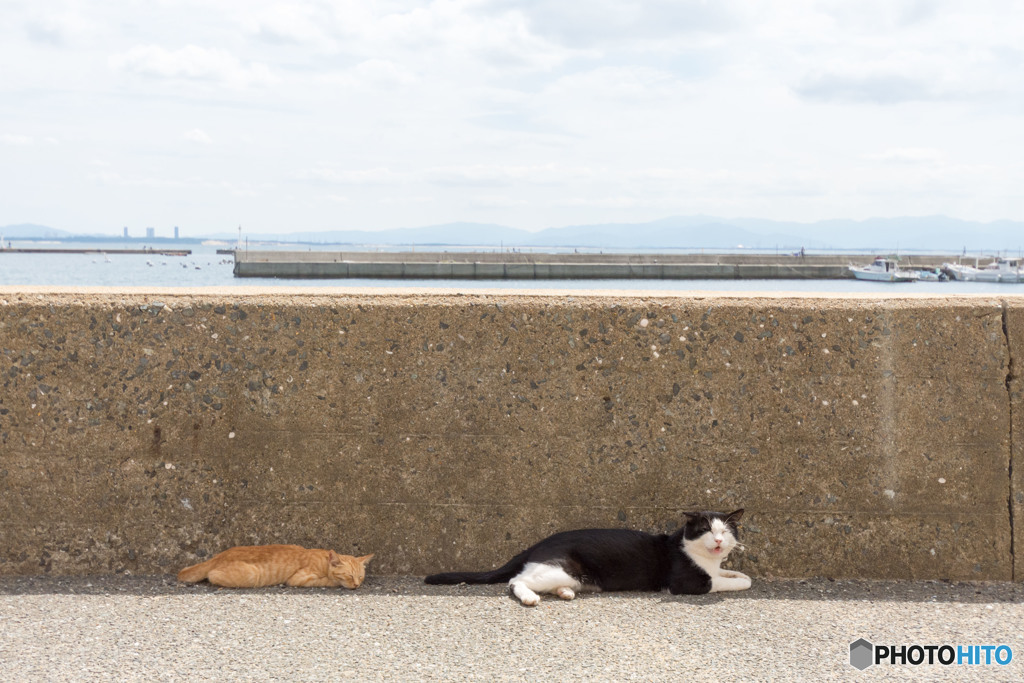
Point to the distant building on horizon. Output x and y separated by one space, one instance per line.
150 233
126 232
175 232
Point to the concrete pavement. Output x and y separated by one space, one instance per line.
119 627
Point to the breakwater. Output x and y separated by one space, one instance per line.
871 438
535 266
72 250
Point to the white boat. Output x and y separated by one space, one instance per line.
1000 270
883 270
931 275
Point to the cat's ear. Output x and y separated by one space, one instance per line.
364 559
692 515
734 517
333 559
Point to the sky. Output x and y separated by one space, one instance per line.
308 115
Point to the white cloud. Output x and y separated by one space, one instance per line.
406 200
382 72
384 76
912 155
192 63
482 175
623 83
294 23
15 140
600 23
451 37
617 202
113 178
678 175
59 29
506 42
539 112
198 136
371 176
496 202
890 53
891 88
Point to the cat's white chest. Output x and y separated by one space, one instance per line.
695 550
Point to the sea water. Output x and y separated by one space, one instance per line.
204 267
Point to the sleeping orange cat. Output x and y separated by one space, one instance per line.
252 566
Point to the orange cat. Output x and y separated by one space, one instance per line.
251 566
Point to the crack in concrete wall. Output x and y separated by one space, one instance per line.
1010 377
1012 381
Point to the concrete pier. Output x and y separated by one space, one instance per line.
149 252
533 266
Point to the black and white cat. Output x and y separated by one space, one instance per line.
688 561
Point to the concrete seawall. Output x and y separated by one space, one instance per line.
871 438
541 266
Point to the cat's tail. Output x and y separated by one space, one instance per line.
196 572
504 573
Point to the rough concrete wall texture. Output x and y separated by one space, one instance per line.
864 437
1015 385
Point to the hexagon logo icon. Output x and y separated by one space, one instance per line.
861 654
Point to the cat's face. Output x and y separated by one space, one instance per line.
713 534
347 570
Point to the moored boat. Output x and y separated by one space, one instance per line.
1000 270
932 275
883 270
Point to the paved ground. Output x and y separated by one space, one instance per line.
396 628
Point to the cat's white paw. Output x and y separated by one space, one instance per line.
523 592
729 583
565 593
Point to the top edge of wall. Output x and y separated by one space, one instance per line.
487 293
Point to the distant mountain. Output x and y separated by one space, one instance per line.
697 232
700 232
32 231
939 233
448 234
